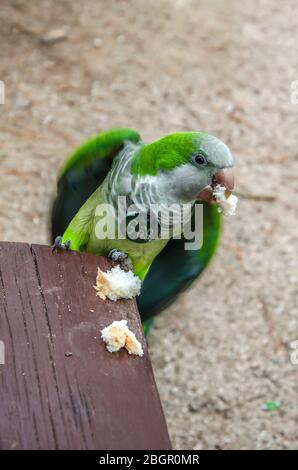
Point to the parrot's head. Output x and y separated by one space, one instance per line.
188 165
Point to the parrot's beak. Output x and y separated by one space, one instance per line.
224 177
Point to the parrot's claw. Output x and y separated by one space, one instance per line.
121 257
59 245
116 255
67 244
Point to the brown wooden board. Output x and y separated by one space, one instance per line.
59 387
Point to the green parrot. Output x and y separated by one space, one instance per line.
181 168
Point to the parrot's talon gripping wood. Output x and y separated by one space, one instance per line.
67 244
116 255
59 245
119 256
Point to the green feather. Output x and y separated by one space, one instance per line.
165 154
83 172
104 145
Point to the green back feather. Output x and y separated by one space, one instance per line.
105 145
83 173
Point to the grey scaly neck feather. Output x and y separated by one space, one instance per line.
144 192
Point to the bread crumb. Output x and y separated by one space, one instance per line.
117 284
226 200
117 335
114 335
132 345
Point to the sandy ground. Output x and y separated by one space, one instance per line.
161 66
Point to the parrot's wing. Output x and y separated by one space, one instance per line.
83 173
175 268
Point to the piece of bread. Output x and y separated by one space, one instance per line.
117 284
226 201
117 335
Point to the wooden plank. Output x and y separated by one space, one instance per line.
60 387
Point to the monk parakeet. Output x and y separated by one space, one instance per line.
181 168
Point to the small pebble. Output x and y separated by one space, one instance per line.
54 36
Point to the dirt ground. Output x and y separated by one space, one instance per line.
73 68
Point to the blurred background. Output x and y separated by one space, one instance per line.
72 69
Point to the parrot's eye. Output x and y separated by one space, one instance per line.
200 159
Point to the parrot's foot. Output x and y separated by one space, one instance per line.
116 255
59 245
121 257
